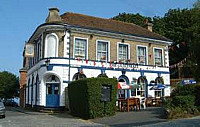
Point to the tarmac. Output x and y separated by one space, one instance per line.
151 115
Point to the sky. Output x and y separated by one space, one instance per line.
20 18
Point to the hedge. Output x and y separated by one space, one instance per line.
184 101
85 97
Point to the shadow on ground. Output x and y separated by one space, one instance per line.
151 115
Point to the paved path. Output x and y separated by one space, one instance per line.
144 117
152 117
20 119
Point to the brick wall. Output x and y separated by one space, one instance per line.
22 87
113 47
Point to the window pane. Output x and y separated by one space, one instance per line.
51 46
49 89
102 51
56 89
80 48
123 52
141 55
158 57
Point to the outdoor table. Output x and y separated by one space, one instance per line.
126 103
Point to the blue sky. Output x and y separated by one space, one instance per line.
19 19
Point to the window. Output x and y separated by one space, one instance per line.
142 55
51 45
102 50
80 49
141 87
158 57
159 81
123 52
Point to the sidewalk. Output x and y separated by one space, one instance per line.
26 111
151 115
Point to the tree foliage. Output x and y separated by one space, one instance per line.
132 18
9 85
182 26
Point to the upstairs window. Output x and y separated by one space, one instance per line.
102 51
51 45
123 52
141 55
158 57
80 48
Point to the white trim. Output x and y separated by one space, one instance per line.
118 50
57 41
86 45
108 48
161 56
147 62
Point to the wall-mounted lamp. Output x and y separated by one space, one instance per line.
91 36
47 62
122 40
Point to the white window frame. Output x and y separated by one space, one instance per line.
146 53
161 55
57 41
118 43
108 52
86 55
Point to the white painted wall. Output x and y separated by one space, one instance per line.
61 71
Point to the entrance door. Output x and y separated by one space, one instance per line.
52 96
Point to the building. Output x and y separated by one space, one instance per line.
72 46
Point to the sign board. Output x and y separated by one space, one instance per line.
29 50
187 82
106 93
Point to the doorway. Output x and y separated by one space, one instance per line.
52 91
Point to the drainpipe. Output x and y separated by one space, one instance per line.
67 29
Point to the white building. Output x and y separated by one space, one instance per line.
72 44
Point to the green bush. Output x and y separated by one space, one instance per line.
197 95
85 97
184 102
183 90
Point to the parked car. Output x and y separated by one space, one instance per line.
10 103
2 109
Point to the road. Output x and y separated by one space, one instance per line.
19 119
143 119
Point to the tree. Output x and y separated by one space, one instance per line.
195 42
132 18
182 26
9 85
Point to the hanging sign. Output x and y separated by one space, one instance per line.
29 50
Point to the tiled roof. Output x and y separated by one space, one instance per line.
109 25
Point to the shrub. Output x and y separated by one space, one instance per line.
184 101
197 95
85 97
183 90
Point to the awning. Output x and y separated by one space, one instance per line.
123 85
158 87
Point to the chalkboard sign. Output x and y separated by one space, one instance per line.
106 93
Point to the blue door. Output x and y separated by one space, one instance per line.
52 96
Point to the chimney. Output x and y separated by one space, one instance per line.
149 26
53 16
